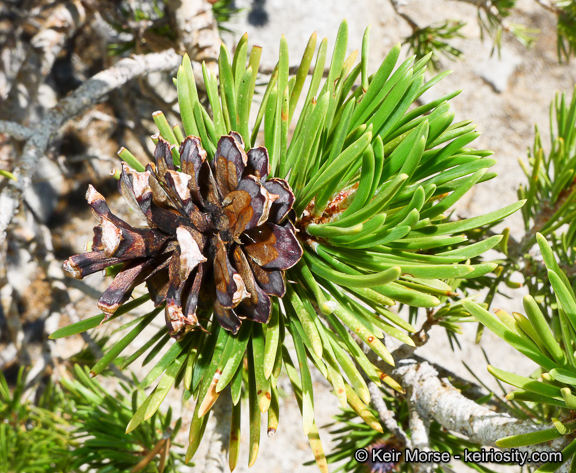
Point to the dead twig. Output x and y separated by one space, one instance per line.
15 130
84 97
387 416
197 30
437 399
420 430
62 22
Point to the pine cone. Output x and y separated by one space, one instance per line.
218 235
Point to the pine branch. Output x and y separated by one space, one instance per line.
492 16
15 130
87 95
437 399
387 416
420 430
546 211
62 23
197 30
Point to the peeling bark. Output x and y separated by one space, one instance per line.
437 399
197 30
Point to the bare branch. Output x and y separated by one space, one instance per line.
86 288
422 336
420 429
438 399
15 130
387 416
197 30
63 21
419 424
88 94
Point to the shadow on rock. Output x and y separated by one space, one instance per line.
258 15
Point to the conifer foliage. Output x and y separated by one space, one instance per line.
304 229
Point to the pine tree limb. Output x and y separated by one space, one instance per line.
62 22
437 399
420 430
197 30
87 95
386 416
15 130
